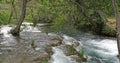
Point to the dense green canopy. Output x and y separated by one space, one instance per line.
65 16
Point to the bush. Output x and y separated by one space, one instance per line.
63 25
4 18
108 31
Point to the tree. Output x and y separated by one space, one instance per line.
114 2
16 30
12 11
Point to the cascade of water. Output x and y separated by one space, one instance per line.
59 56
104 50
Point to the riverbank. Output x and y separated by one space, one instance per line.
110 28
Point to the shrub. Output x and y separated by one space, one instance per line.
63 25
108 31
4 18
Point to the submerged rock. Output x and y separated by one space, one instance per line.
42 57
54 43
75 58
55 37
68 50
70 41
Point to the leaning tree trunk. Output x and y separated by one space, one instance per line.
16 30
114 2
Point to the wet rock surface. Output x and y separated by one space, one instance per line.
66 52
19 49
34 46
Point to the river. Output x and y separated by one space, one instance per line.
98 49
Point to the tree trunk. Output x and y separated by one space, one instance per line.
13 5
114 2
13 10
11 14
16 30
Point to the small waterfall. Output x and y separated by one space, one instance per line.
98 50
104 50
70 41
59 56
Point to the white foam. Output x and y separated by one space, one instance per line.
5 30
58 56
108 44
31 29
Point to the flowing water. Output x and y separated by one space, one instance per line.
18 49
98 49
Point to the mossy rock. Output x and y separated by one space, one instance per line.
45 61
68 50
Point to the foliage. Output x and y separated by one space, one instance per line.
82 56
63 25
97 22
65 16
82 23
33 43
82 53
108 31
4 18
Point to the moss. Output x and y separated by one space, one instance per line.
80 53
71 50
45 61
33 43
